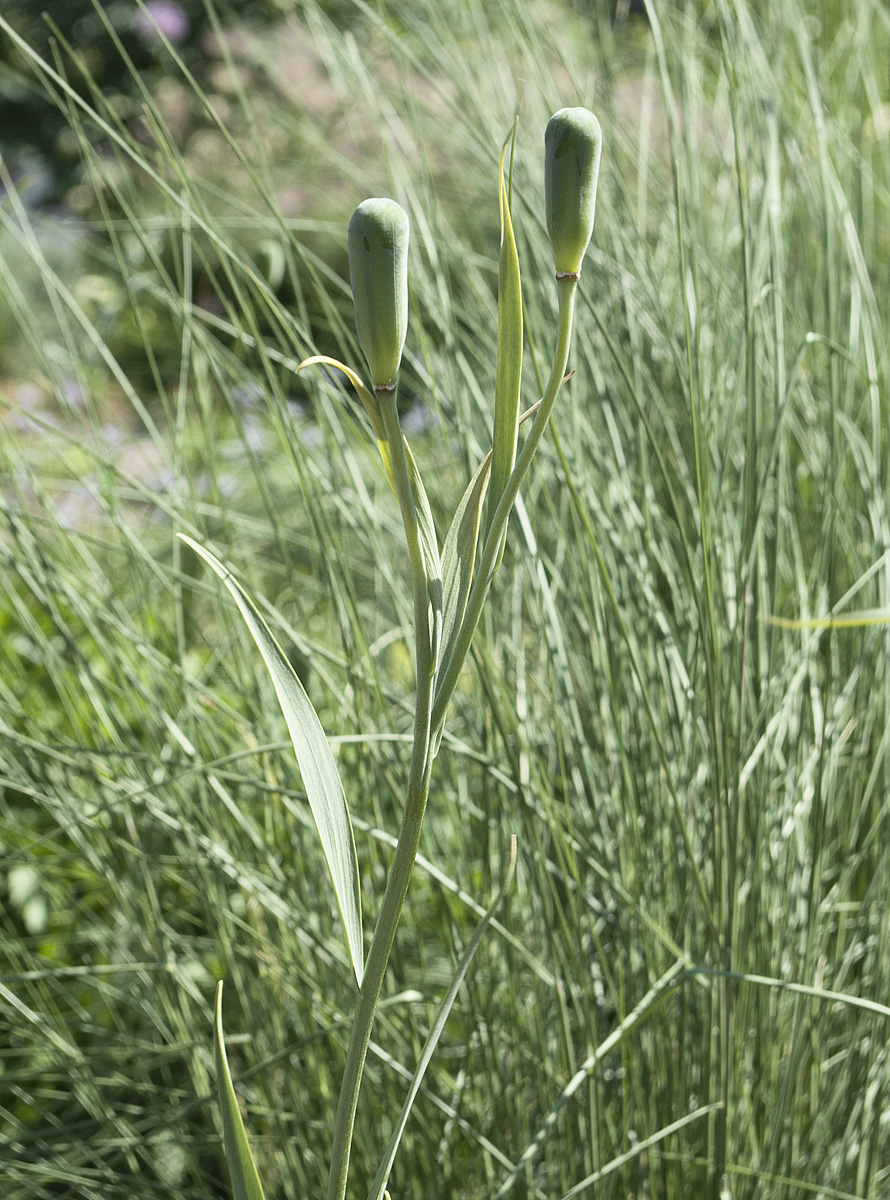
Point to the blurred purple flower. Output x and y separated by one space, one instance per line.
162 17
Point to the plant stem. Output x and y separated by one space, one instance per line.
428 716
566 288
412 820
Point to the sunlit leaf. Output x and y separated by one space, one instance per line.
368 399
459 557
430 545
320 778
509 349
245 1180
845 620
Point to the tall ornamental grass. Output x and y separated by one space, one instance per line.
677 694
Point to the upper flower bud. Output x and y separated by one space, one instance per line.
573 143
378 268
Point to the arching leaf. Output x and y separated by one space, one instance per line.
320 778
245 1180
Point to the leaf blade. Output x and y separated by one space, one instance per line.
320 777
368 399
242 1168
430 546
459 558
459 553
509 349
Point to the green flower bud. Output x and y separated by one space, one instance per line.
378 267
573 143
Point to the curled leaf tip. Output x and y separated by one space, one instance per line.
378 269
573 143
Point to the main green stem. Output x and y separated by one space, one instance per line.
566 288
412 819
429 718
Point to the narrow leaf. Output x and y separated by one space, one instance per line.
509 353
459 552
430 546
378 1188
459 558
368 399
370 403
320 779
245 1180
844 620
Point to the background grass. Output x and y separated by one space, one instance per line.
701 797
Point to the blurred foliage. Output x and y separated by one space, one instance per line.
109 42
106 47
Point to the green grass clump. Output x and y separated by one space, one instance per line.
686 991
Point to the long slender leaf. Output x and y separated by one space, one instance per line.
430 546
841 620
459 557
368 399
459 551
509 349
245 1180
378 1188
320 777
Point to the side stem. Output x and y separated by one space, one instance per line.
412 820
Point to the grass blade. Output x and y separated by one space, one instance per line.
430 545
847 620
509 351
245 1180
369 401
320 777
459 557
